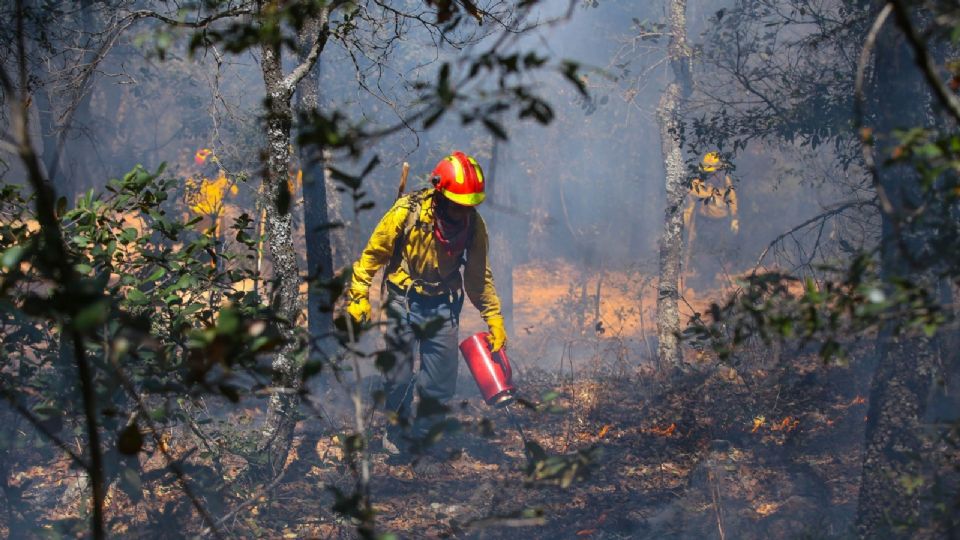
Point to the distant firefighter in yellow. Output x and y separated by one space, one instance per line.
713 196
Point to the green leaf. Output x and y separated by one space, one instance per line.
12 256
190 309
91 316
185 282
929 150
549 396
131 483
130 440
137 297
495 129
157 274
229 322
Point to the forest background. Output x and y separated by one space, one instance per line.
185 184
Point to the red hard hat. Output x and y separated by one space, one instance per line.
460 179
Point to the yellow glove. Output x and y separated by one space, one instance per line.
498 334
735 226
359 309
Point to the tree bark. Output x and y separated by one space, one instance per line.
669 112
889 503
315 215
62 142
339 244
501 258
279 424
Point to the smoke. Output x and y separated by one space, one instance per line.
575 207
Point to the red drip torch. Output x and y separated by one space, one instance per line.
491 370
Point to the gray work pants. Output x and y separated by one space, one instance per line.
426 325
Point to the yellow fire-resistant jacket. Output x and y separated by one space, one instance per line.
424 264
716 202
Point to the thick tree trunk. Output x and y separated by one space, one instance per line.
889 504
278 426
315 215
671 242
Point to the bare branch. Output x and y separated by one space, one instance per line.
290 81
947 98
199 23
837 209
866 141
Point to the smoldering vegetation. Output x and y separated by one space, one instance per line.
814 393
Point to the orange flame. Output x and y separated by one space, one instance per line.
206 196
663 432
758 423
295 182
859 400
787 425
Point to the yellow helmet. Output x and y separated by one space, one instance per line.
712 161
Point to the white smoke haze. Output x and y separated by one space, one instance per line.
575 211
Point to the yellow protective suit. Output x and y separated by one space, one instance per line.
424 266
714 202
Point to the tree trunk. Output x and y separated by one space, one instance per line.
315 215
889 504
278 426
339 244
669 113
62 141
501 258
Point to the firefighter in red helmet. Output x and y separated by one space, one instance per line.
433 243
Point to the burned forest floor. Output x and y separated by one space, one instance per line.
765 446
719 453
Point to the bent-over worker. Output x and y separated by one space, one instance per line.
434 245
